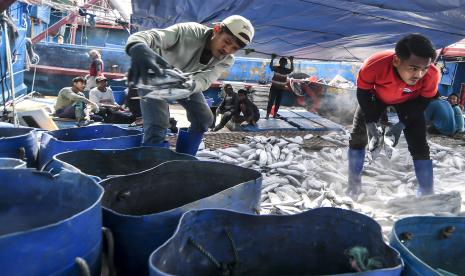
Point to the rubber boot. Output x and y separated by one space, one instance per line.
188 141
424 173
356 159
164 144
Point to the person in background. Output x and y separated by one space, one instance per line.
462 97
71 103
246 110
278 83
454 102
109 110
95 69
60 39
173 125
189 47
227 107
102 94
406 79
440 117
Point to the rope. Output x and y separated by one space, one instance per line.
204 252
225 269
233 246
360 260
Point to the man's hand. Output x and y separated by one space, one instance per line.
291 58
142 59
94 107
393 133
273 56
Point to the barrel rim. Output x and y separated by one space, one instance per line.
125 216
303 214
30 131
48 134
19 161
141 148
395 241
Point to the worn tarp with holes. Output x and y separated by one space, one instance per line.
342 30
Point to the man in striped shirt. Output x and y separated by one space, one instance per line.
278 83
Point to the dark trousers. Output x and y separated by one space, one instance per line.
415 132
225 117
67 112
274 98
112 116
76 111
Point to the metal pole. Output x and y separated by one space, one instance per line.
10 70
33 79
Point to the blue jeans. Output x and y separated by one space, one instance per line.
156 115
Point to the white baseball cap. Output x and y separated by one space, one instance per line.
240 27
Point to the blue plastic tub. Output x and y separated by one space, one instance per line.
46 222
315 242
20 143
91 137
143 209
431 245
106 163
12 163
209 101
119 95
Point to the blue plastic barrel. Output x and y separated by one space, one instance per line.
106 163
20 143
82 138
119 94
46 222
12 163
315 242
431 245
209 101
143 209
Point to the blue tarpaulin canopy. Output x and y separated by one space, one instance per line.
341 30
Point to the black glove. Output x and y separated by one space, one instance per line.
273 56
393 132
375 136
373 130
144 58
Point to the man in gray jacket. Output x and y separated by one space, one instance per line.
189 47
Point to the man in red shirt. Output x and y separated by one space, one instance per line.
405 79
95 69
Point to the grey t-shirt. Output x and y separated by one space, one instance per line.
66 97
182 46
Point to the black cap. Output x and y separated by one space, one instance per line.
76 79
242 91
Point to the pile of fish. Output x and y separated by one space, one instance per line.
296 179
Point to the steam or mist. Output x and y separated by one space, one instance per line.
339 107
